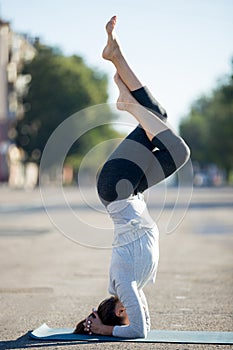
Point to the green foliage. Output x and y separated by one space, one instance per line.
208 129
194 130
59 87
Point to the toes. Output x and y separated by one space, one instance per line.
113 21
111 24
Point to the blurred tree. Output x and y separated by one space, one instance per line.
221 127
208 128
194 129
59 87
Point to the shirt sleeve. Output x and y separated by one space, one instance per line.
146 309
129 295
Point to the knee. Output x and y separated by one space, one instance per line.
181 153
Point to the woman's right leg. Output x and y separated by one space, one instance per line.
113 53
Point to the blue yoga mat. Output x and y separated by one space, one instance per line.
154 336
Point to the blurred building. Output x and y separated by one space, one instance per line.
15 50
208 175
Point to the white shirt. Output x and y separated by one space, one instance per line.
134 261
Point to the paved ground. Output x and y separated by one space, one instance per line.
46 277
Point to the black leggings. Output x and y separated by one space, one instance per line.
138 163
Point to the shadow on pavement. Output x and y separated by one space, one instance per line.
25 342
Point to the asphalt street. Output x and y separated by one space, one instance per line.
55 254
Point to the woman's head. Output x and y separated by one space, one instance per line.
111 312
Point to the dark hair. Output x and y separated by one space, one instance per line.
107 314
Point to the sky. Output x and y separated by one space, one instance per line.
178 48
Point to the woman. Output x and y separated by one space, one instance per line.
149 154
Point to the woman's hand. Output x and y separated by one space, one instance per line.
93 324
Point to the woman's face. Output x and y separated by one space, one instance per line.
120 311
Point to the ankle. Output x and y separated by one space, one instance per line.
117 56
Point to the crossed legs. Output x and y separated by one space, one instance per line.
152 151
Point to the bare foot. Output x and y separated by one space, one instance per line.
112 49
125 98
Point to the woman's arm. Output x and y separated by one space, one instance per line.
136 311
146 309
128 294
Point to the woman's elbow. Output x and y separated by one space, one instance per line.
140 333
